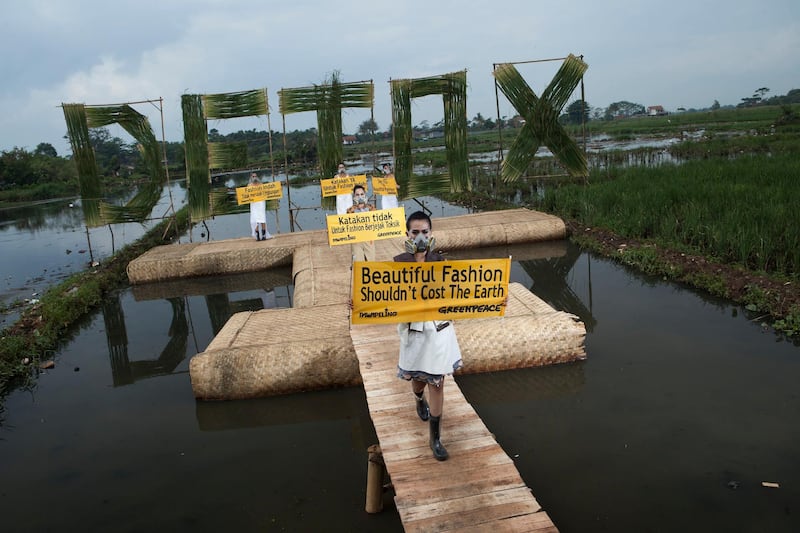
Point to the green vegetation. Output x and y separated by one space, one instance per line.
760 119
741 211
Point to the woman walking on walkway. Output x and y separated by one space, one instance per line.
428 350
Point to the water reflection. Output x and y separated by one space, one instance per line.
249 292
549 282
55 214
525 384
126 372
277 410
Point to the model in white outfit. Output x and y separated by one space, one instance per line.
429 350
343 201
388 201
258 215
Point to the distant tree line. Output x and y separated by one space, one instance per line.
40 174
759 98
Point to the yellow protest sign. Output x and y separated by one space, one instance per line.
385 185
366 226
344 185
256 193
392 292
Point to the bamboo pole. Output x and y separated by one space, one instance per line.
286 170
272 163
375 468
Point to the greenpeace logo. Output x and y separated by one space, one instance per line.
469 309
377 314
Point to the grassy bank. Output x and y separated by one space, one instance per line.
43 327
740 211
722 225
760 119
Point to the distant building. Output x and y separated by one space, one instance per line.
655 110
349 139
516 121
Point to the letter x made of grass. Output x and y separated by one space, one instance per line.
541 118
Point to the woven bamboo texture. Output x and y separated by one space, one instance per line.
321 275
280 351
276 351
477 489
173 261
230 256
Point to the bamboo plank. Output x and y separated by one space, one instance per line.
469 510
457 449
449 434
479 458
534 522
440 487
486 515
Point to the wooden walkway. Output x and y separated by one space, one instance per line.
477 489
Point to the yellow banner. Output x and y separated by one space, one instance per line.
366 226
256 193
345 185
391 292
385 185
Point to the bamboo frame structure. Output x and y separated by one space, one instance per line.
81 117
453 88
328 100
202 156
564 152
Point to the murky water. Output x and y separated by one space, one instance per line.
683 407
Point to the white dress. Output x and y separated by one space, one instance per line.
258 215
429 351
388 201
343 203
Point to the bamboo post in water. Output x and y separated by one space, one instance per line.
375 468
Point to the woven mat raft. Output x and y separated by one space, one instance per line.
233 256
280 351
307 347
477 489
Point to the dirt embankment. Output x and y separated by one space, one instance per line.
768 294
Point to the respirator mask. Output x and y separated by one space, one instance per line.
420 243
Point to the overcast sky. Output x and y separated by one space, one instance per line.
676 53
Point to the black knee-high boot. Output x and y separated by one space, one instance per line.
422 406
439 451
